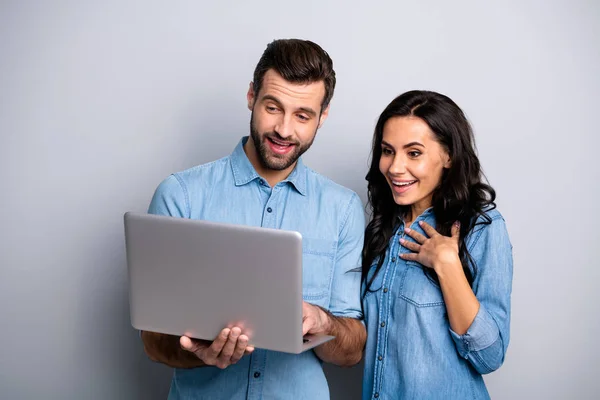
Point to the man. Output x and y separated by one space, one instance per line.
264 183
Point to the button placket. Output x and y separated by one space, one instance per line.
269 213
258 360
386 305
402 236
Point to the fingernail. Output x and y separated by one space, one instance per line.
402 240
420 222
407 230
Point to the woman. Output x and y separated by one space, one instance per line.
437 259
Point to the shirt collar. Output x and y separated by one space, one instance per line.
244 172
425 214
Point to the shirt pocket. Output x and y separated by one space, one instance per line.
317 268
419 289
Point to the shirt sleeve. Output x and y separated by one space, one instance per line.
170 199
485 343
345 289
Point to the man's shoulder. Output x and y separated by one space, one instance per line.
329 188
203 173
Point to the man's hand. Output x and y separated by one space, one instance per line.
350 335
227 349
314 320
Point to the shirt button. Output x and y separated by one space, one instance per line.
382 324
376 395
256 374
393 259
385 290
269 209
380 358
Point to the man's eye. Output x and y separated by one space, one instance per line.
303 117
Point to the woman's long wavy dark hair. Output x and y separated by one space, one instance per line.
461 196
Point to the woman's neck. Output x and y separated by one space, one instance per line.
414 211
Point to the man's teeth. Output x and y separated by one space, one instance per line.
403 183
279 143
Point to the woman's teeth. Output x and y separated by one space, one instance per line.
403 183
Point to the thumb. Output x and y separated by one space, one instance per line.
307 325
455 230
188 344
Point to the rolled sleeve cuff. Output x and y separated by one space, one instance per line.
482 333
348 314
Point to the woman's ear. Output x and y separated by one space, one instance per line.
447 161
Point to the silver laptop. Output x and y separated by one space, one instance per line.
194 278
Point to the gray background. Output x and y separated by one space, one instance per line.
99 102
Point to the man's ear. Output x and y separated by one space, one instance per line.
250 96
323 116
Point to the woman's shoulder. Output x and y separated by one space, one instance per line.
489 215
489 222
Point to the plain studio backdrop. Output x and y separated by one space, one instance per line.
101 101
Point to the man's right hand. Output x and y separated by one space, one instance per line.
227 349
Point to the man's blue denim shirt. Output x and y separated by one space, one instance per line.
331 221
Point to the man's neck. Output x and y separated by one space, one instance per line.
273 177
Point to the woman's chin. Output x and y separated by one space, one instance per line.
403 201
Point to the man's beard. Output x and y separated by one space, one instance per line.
270 160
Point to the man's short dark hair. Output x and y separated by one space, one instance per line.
297 61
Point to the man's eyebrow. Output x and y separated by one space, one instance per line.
271 98
308 110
